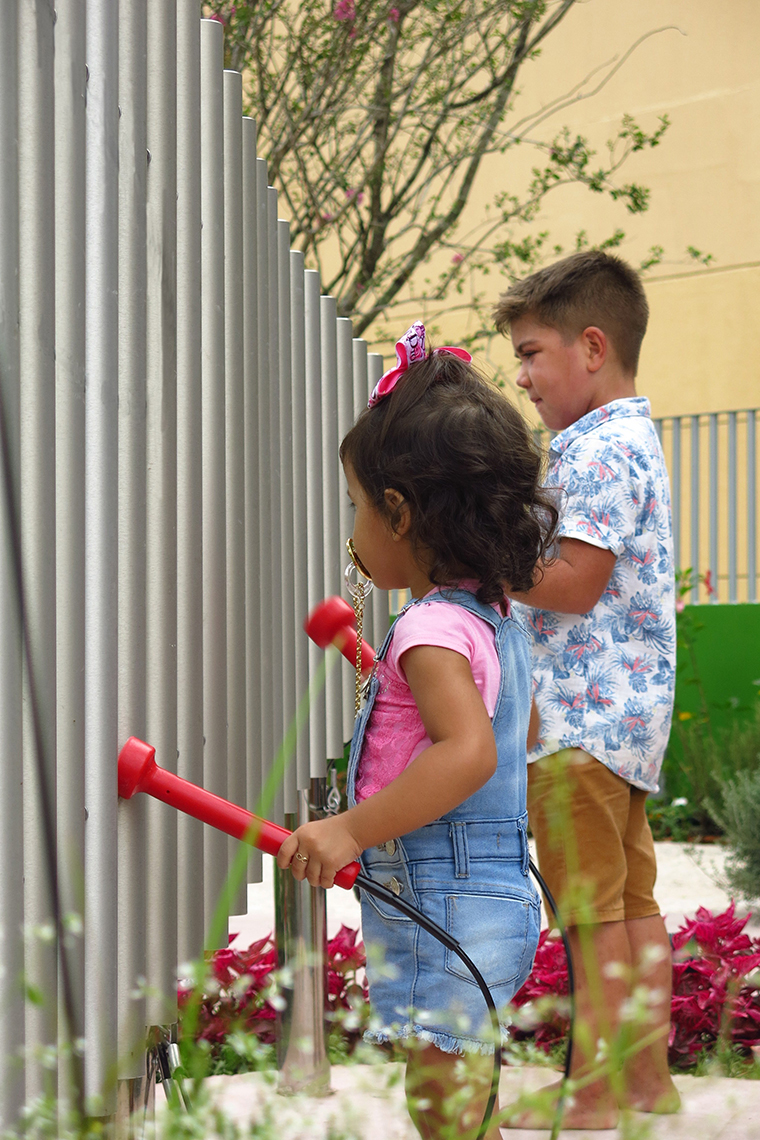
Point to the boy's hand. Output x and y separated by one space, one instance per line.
316 851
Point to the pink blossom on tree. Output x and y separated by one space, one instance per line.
345 10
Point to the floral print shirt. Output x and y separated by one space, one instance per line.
604 681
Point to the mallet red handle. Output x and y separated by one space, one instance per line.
333 622
139 772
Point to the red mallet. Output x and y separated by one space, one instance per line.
333 622
139 772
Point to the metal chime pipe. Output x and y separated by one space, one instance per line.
213 458
11 785
190 836
234 450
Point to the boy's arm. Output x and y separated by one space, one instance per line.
572 583
460 760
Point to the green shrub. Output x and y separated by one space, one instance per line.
739 815
677 819
707 759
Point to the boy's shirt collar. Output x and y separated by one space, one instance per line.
616 409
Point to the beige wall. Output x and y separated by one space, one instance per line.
702 352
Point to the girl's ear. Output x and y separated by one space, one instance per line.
395 502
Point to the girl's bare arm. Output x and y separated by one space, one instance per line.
460 760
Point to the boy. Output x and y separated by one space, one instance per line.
602 619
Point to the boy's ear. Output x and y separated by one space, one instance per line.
395 501
595 347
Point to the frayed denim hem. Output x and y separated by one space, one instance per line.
446 1042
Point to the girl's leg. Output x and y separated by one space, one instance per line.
447 1094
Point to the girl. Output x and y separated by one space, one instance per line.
444 477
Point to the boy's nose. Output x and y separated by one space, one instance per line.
522 380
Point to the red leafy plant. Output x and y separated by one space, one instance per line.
715 997
540 1017
239 994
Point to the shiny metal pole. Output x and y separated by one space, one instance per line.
301 925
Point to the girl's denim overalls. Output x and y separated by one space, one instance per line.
468 871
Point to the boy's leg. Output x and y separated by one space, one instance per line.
582 820
642 947
648 1084
447 1094
598 999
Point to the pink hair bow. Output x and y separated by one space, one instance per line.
409 350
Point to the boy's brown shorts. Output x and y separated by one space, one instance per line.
594 843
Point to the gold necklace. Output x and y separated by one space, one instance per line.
359 590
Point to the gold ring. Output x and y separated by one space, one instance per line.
303 858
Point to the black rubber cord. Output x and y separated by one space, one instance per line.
379 892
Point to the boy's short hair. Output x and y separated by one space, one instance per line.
587 288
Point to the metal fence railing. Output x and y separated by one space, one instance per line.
175 385
712 462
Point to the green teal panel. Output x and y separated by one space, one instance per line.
718 660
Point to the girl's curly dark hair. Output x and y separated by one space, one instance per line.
466 464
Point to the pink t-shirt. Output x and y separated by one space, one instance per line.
395 734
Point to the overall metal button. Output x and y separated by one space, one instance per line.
390 847
395 886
